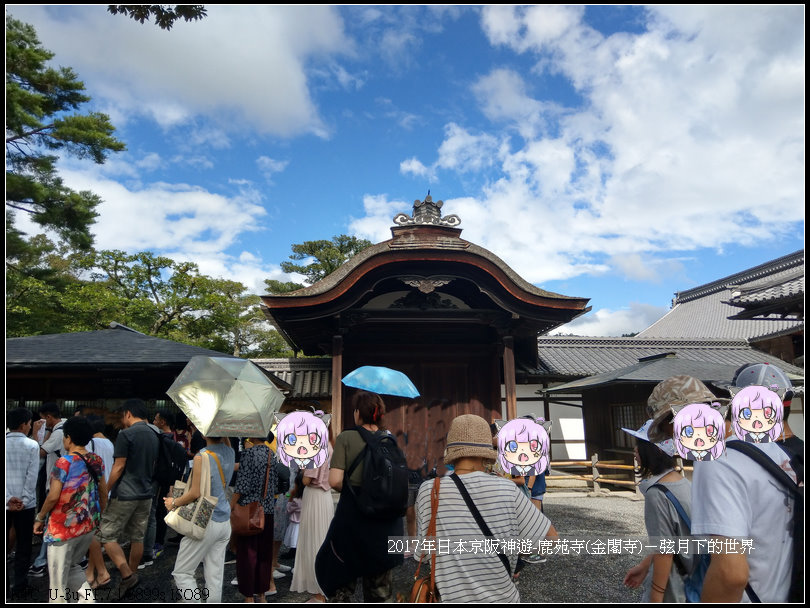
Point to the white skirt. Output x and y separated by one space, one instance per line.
291 536
317 510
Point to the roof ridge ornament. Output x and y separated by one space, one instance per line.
427 212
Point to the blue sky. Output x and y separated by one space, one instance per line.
616 153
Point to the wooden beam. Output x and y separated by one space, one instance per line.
509 377
337 385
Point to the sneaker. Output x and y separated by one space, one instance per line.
277 574
235 581
536 559
146 562
157 551
36 571
126 584
230 557
283 568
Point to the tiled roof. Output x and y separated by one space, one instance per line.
310 378
654 370
784 297
703 312
575 357
116 346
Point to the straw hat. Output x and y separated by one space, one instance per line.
469 437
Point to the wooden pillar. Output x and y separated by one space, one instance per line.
509 377
337 385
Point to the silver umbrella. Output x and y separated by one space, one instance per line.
226 397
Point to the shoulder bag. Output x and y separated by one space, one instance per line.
424 588
478 519
192 519
248 520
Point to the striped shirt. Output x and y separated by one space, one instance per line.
478 577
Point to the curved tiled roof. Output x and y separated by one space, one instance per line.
705 311
574 357
106 347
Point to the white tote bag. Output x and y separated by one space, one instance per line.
192 519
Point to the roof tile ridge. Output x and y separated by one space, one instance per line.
744 276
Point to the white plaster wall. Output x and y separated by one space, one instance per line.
566 421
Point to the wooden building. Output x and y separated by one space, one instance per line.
446 312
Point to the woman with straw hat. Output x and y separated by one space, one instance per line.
504 511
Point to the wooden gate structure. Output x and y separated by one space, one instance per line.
446 312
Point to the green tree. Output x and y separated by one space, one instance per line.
323 257
172 300
165 15
276 287
37 273
41 120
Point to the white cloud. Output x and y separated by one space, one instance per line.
412 166
606 322
689 136
165 217
269 166
376 223
243 67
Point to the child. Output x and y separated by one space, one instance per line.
294 514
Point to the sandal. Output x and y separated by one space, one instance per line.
98 585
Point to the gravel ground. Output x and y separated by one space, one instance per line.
562 579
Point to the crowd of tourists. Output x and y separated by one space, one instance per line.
90 498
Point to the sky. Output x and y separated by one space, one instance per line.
618 153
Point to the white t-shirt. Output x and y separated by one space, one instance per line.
104 448
53 447
734 496
478 577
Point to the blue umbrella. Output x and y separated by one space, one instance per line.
381 380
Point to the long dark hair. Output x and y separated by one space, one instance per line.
652 460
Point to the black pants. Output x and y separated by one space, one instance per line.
23 523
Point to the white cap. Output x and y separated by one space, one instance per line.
667 446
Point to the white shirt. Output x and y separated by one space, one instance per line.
103 447
733 496
22 467
53 446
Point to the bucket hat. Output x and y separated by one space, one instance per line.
676 390
469 437
667 446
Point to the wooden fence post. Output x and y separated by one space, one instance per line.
595 471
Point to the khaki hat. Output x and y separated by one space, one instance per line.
469 437
677 390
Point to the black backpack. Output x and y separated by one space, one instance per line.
796 593
171 462
384 493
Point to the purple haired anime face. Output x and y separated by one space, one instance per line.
523 443
303 437
755 410
699 429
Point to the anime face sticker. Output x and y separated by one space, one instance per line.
699 431
756 414
302 438
523 446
